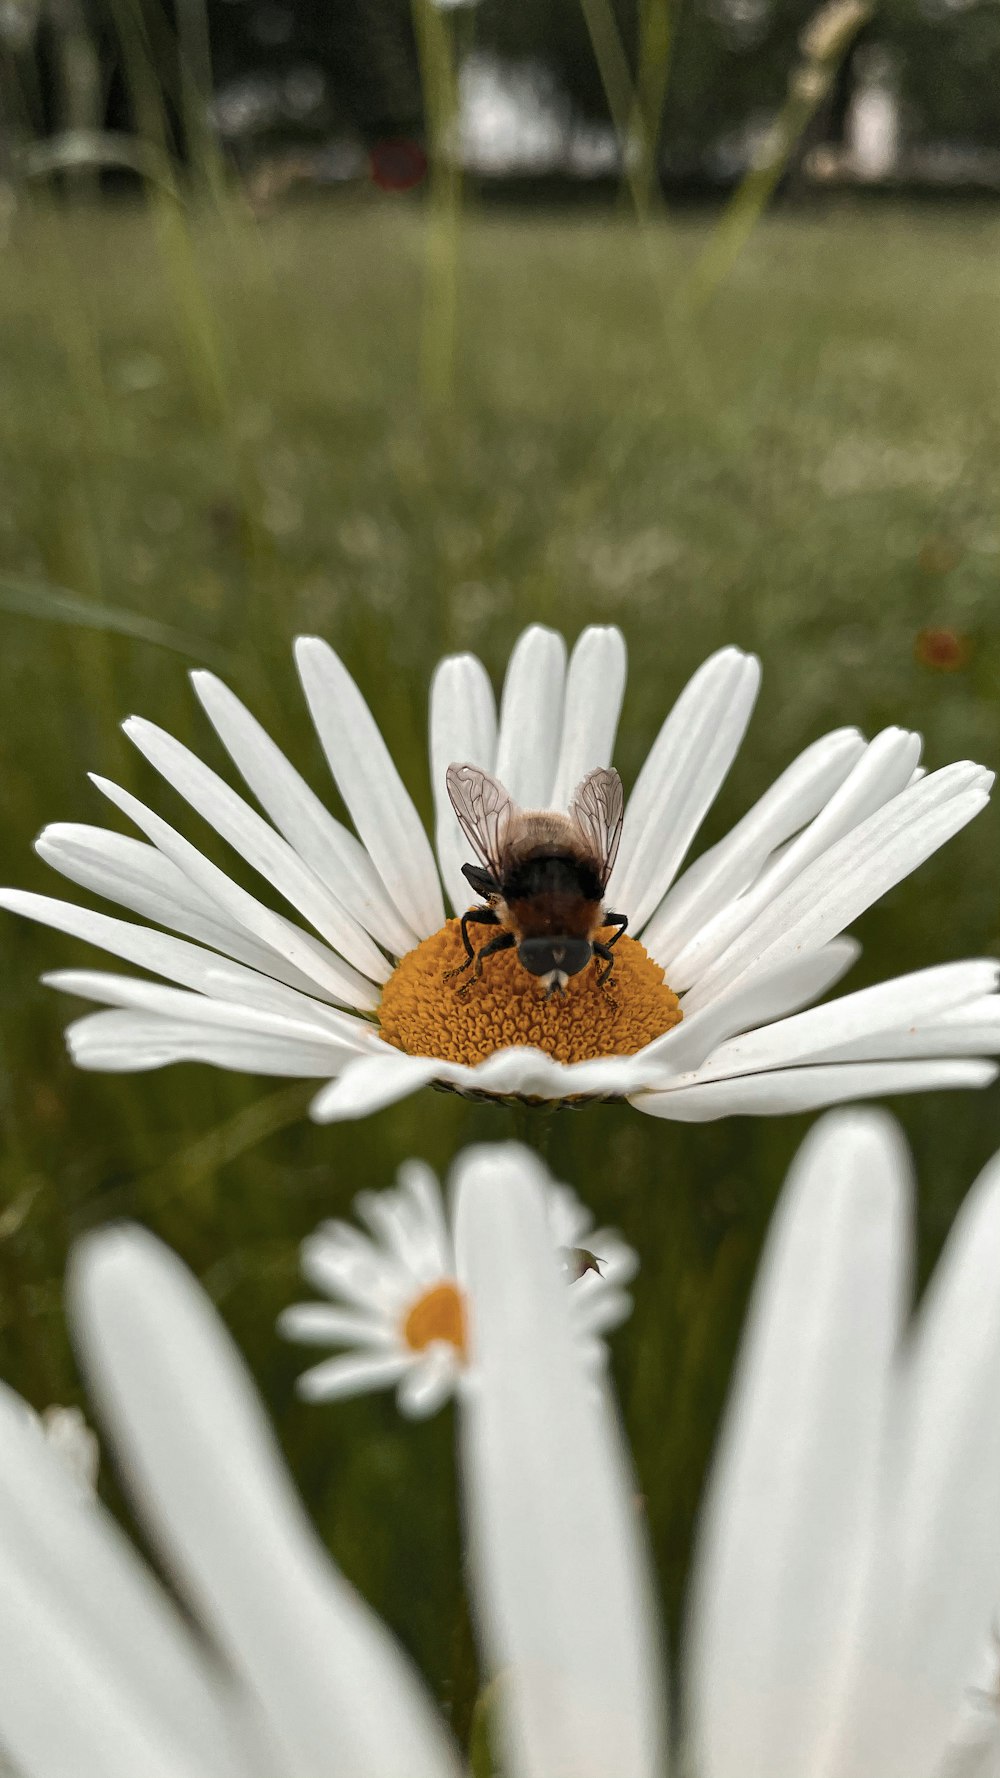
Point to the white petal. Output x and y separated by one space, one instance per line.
207 1478
256 841
133 1042
339 1379
937 1578
763 997
860 868
794 1487
595 686
463 728
728 867
533 1074
371 1084
102 1679
138 877
376 797
320 1324
883 769
903 1005
332 852
807 1089
601 1311
304 1019
301 949
680 780
972 1029
420 1183
531 717
427 1385
158 952
562 1588
217 1001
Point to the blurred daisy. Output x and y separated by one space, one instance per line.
848 1563
709 980
398 1303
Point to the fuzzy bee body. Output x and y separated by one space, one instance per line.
542 876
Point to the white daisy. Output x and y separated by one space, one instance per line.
848 1564
399 1304
710 977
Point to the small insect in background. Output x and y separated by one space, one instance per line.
542 875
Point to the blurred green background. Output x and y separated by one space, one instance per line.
244 428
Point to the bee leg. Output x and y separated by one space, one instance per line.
472 917
503 942
619 920
605 952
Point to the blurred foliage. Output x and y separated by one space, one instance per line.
707 72
220 427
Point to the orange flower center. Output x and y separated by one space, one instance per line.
437 1315
426 1015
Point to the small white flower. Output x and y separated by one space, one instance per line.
709 980
399 1302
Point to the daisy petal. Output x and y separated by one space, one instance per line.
80 1615
256 841
531 717
761 998
774 1605
564 1588
463 728
326 846
882 770
595 686
133 1042
339 1379
373 1083
426 1386
938 1567
306 954
138 877
807 1089
158 952
320 1324
728 867
905 1005
212 1489
293 1016
376 798
680 780
860 868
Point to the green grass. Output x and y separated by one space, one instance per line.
225 432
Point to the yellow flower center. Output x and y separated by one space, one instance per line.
437 1315
426 1015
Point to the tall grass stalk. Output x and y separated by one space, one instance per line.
824 43
439 80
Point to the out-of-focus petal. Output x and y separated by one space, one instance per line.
561 1582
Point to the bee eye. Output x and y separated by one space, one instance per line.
543 956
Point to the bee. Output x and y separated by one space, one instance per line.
542 875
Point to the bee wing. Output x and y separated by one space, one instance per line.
484 811
597 809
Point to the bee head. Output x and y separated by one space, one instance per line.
554 956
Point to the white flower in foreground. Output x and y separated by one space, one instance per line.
284 1672
398 1303
849 1565
704 1020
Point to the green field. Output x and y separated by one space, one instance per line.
227 430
